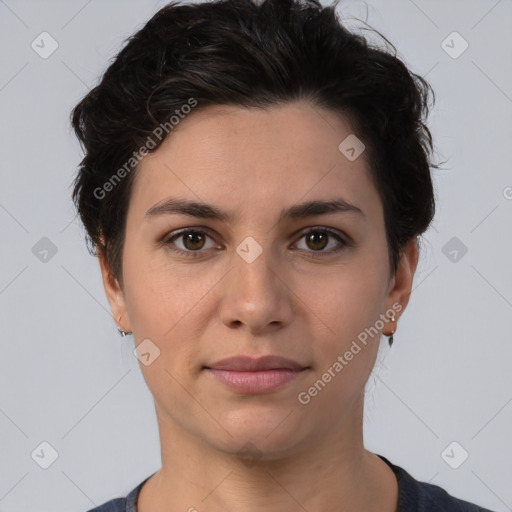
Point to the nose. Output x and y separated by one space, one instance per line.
257 295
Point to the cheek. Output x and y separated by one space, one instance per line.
158 294
346 309
171 306
345 347
343 302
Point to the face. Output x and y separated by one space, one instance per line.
256 274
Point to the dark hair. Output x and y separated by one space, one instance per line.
239 52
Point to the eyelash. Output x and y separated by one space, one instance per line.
169 242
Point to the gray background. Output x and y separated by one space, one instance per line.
67 378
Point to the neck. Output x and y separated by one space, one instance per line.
332 473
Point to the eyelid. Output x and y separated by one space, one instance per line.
174 233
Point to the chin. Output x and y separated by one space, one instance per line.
269 432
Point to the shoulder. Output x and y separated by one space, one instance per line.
434 498
126 504
415 496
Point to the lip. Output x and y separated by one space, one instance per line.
249 375
253 364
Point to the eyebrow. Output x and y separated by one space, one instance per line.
175 206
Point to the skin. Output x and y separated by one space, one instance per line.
252 163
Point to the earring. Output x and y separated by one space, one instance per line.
121 332
390 339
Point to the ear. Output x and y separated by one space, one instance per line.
114 294
400 285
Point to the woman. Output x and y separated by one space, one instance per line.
254 184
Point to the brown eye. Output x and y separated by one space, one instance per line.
188 242
317 240
193 240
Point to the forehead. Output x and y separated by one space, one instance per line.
249 160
